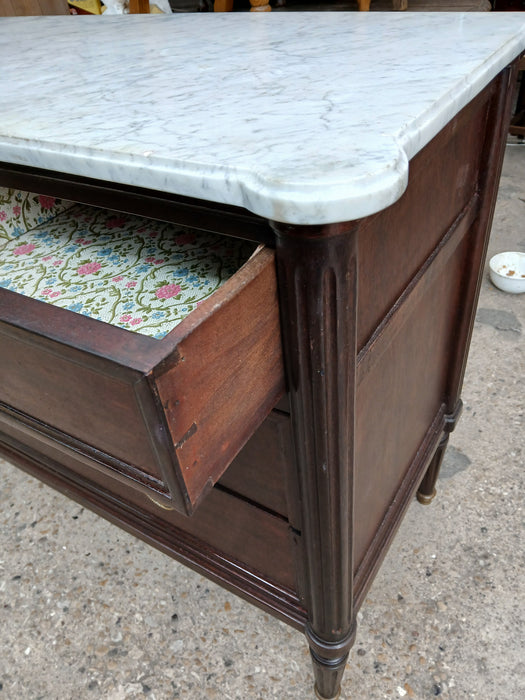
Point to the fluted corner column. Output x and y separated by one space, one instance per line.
317 279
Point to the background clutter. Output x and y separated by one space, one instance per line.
114 7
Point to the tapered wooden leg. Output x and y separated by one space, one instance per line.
363 5
317 278
427 488
329 661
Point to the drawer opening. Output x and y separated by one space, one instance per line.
137 274
147 352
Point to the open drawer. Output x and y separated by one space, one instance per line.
165 414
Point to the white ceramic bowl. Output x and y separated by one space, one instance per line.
507 272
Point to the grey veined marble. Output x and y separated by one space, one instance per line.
299 117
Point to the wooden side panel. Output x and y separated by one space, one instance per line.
410 370
412 258
227 377
393 244
399 396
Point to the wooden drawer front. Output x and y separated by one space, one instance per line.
227 538
168 415
79 401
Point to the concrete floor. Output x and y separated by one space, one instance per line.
90 612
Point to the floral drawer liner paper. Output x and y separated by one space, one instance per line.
138 274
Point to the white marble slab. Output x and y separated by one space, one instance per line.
299 117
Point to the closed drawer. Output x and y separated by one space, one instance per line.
225 532
165 416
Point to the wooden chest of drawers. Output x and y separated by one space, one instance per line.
318 386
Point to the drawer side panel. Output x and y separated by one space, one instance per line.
227 377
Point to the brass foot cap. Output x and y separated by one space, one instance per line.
424 499
322 697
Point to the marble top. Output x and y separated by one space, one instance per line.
302 118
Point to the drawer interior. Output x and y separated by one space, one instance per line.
150 350
134 273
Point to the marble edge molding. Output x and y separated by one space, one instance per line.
427 125
316 200
259 192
